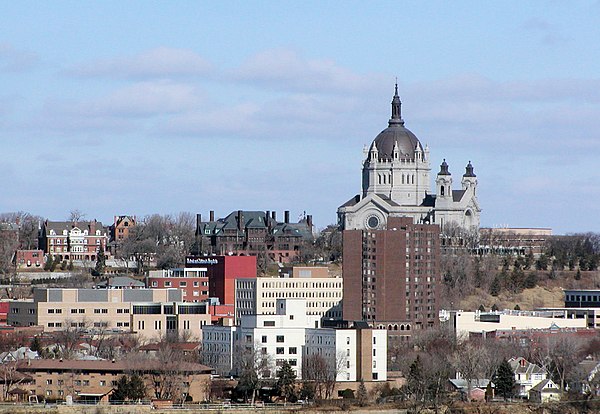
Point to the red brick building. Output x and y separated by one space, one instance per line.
391 275
29 259
73 240
206 276
254 233
120 230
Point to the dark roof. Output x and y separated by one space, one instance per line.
59 226
182 346
389 200
105 366
457 195
429 200
396 135
353 201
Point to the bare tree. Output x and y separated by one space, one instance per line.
322 372
76 215
253 367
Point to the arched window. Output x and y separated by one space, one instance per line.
442 191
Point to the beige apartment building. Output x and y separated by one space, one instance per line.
259 295
150 313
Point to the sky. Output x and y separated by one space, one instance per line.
144 107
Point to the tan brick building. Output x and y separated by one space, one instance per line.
148 312
54 379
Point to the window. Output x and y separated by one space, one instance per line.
102 383
293 362
81 310
280 350
280 338
48 382
182 284
263 351
155 284
293 350
269 323
96 310
264 339
86 383
375 376
167 284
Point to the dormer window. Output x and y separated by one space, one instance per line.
97 232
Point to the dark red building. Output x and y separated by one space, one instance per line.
391 276
206 276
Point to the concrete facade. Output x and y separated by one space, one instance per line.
148 312
292 335
259 295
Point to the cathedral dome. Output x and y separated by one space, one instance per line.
396 134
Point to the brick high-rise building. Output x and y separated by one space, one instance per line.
391 275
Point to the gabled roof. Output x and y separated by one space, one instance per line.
521 366
546 385
457 195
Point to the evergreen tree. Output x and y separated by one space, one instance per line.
35 345
361 395
100 261
504 379
286 382
494 307
129 388
481 308
495 287
517 307
55 262
48 264
531 280
415 381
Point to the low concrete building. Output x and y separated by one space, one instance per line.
148 312
463 323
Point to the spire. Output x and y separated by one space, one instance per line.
396 118
469 171
444 168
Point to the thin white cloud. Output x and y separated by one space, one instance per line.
287 70
14 60
161 62
549 34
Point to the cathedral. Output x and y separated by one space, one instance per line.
396 181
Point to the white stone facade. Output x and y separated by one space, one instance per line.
396 182
292 335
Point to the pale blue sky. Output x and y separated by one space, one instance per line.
143 107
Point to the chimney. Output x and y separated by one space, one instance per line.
93 226
198 221
286 215
274 216
267 217
212 215
240 220
309 221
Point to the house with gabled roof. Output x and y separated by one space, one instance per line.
527 375
545 391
